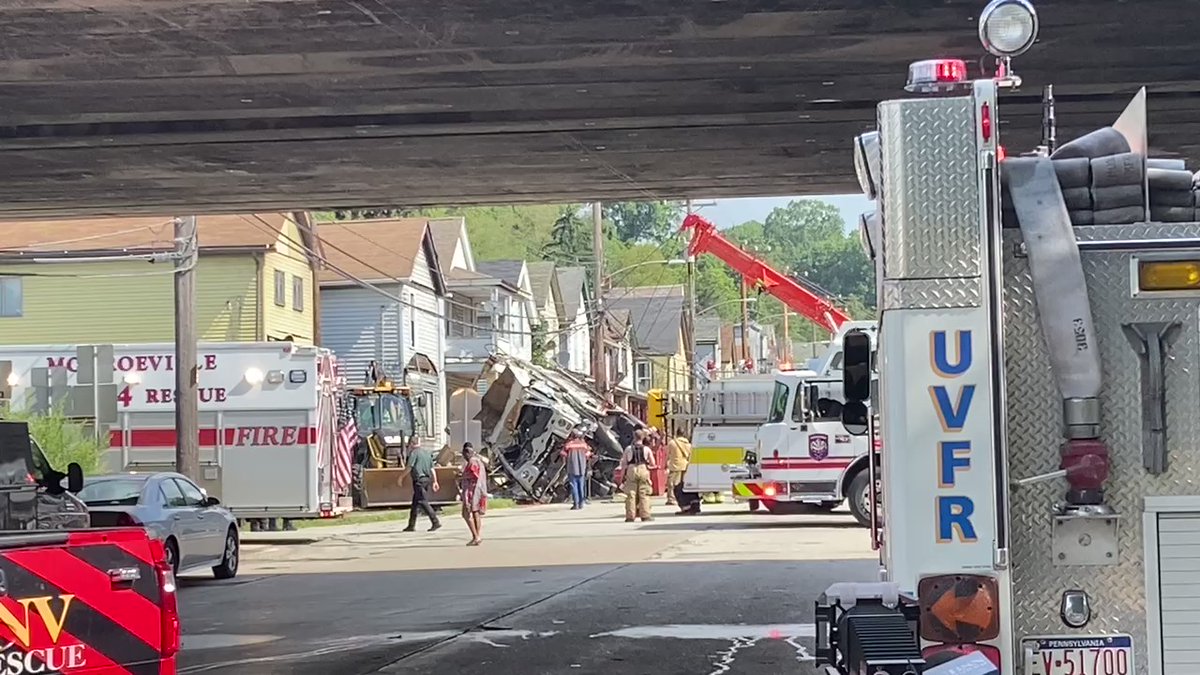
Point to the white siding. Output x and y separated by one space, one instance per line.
1179 594
430 340
360 326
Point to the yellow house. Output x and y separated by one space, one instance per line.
93 280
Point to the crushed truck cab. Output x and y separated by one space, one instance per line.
1039 348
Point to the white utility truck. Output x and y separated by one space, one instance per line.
1039 349
803 456
267 417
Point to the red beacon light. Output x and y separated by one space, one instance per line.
936 76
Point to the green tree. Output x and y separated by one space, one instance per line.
570 237
643 221
63 440
541 342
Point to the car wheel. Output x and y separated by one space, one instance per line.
859 496
171 555
229 562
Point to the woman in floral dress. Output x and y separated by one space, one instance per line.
473 492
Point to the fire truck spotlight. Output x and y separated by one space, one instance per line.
959 608
1169 275
1076 609
1008 27
769 491
254 376
13 379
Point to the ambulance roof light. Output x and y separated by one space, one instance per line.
936 75
1008 28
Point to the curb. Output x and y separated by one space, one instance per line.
278 541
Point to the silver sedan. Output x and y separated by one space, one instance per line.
195 529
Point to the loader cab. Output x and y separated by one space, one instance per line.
386 411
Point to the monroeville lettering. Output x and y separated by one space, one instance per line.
135 364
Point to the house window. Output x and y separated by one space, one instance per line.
641 377
427 415
280 288
12 298
461 323
298 294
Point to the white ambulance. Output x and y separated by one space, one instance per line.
267 416
1039 356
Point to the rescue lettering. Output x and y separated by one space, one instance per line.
953 408
140 363
284 435
61 659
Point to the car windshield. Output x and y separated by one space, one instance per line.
112 492
779 401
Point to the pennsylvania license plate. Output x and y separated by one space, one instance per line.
1078 655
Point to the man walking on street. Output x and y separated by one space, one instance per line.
420 464
636 463
577 453
679 455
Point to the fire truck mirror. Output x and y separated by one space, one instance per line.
856 368
854 418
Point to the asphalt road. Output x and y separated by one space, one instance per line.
714 594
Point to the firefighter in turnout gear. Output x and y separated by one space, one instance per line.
636 463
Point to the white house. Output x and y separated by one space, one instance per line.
548 305
485 314
575 343
399 326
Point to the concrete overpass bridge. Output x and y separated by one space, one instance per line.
118 106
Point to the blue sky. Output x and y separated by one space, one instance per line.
730 212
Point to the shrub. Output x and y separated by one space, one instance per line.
63 440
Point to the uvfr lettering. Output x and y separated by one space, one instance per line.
51 613
952 404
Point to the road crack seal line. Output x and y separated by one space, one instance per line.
482 625
725 659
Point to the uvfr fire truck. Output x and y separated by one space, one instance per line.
1039 350
266 409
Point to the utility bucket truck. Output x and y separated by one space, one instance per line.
1039 377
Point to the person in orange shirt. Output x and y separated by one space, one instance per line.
577 453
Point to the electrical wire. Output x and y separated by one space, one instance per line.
372 287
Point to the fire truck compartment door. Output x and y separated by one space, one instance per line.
279 444
1171 528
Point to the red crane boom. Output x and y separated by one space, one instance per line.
760 275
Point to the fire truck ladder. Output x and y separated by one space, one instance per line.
802 297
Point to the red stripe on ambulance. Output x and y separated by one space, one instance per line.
233 436
778 464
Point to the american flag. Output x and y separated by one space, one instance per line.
347 441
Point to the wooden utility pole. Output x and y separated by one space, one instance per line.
599 324
786 352
745 323
187 402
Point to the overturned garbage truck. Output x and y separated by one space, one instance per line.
1037 506
525 417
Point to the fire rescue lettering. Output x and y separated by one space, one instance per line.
952 406
52 615
142 363
257 436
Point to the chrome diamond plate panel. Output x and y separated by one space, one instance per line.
1118 592
930 294
931 188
